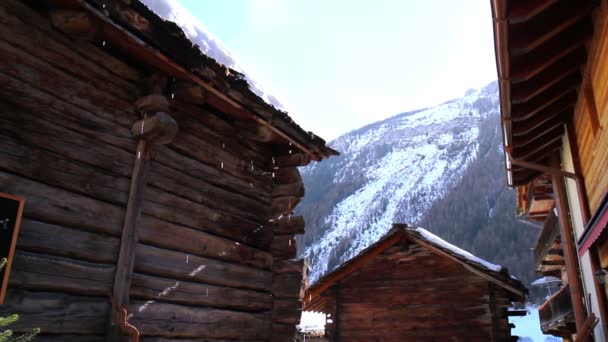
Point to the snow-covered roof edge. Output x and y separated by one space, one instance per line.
138 34
424 237
439 242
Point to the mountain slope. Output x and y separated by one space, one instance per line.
408 169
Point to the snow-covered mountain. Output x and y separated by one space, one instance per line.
391 171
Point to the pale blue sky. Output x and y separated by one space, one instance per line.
338 65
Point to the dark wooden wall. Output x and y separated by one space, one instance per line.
208 264
411 294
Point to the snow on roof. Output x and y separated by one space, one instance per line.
198 34
312 323
439 242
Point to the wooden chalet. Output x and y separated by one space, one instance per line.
158 187
552 61
413 286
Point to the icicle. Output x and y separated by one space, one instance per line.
222 165
289 242
273 161
103 43
252 165
273 175
187 259
138 154
289 151
172 96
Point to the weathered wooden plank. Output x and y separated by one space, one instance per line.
283 205
163 234
207 153
288 225
292 160
212 174
35 71
67 242
96 55
86 148
50 204
283 247
195 294
283 332
177 210
286 310
201 191
54 169
217 214
293 189
221 136
56 313
170 264
287 175
48 273
170 320
25 99
288 266
288 285
32 33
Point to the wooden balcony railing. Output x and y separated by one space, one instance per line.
556 313
546 239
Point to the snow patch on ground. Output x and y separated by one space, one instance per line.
528 328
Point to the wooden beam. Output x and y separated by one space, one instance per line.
527 66
76 23
159 129
569 246
524 111
547 25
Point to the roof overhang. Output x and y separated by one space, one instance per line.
132 31
540 53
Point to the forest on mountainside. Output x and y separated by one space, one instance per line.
478 213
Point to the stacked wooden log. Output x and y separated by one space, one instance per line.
288 275
206 262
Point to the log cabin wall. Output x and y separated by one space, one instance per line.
213 259
412 294
591 113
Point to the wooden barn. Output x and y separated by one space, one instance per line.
158 187
413 286
552 61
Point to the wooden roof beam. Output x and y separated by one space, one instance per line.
525 111
525 91
548 24
547 145
524 67
547 132
524 10
558 111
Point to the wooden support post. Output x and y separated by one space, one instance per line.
336 332
570 254
158 129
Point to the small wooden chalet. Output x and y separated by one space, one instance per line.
158 187
552 61
413 286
